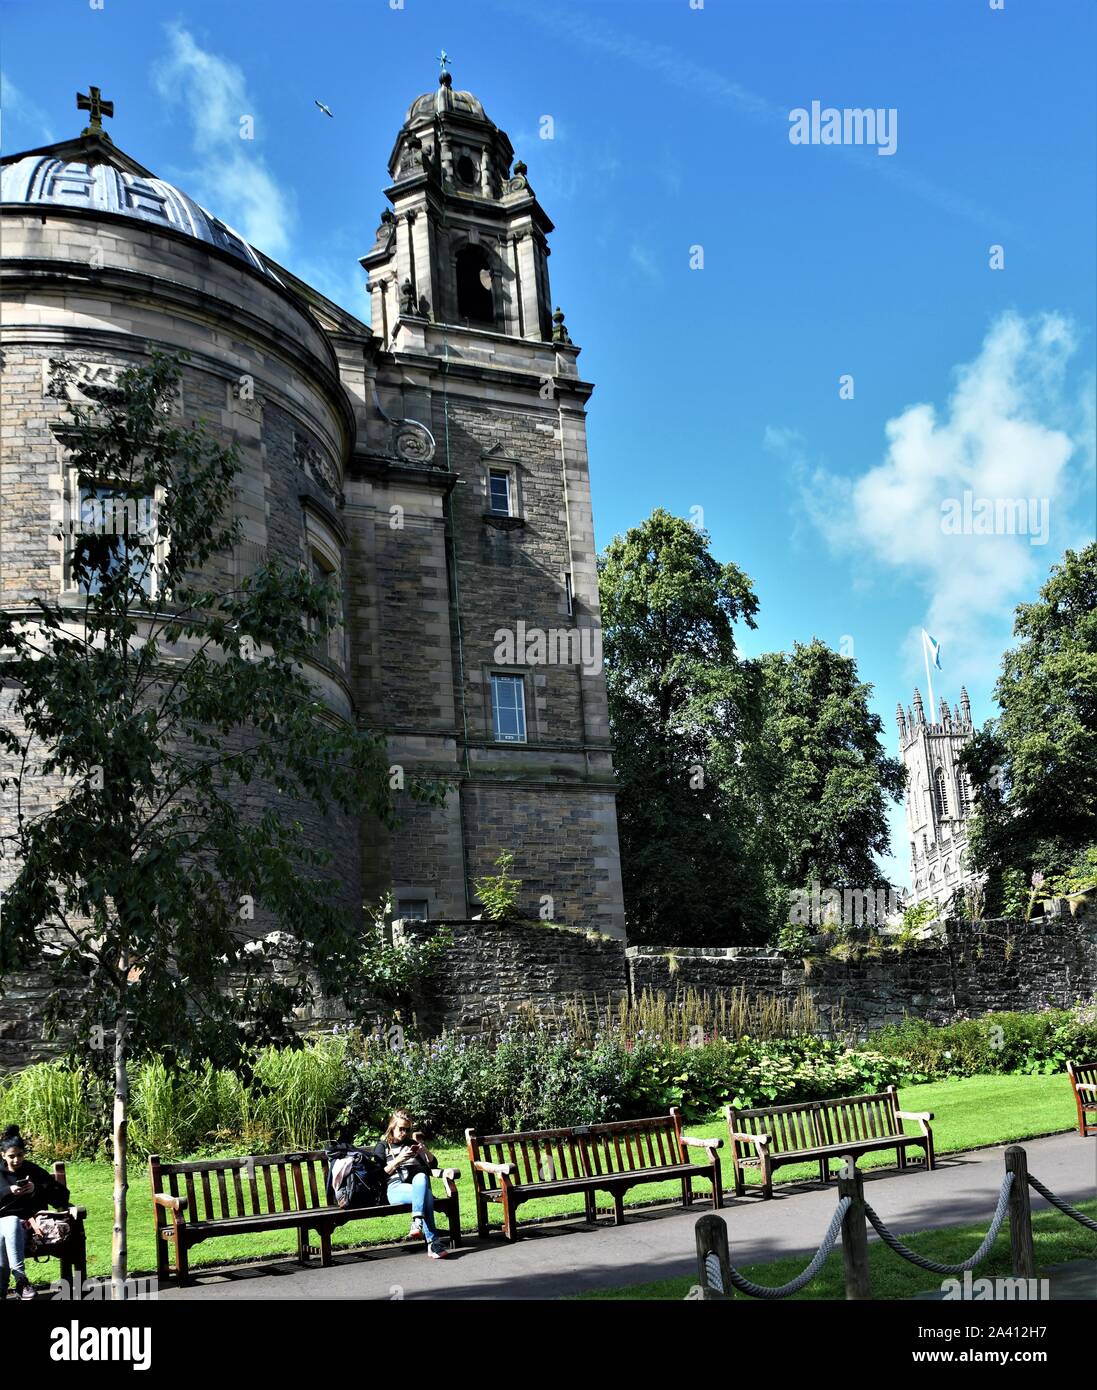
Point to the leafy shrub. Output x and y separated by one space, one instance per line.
392 971
499 892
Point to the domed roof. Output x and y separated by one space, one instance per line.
52 181
444 99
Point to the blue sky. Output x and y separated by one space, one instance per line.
717 388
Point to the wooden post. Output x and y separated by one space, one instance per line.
1021 1253
712 1249
854 1232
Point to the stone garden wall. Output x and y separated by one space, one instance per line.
961 974
495 971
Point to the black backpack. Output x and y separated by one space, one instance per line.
362 1179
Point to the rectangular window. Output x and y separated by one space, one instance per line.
500 491
508 708
112 526
413 908
568 594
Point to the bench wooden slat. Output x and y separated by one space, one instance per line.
283 1188
223 1194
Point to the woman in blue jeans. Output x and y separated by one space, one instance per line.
24 1190
407 1166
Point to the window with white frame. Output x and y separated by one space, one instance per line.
501 491
110 524
413 909
508 709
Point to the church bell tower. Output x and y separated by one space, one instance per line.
465 241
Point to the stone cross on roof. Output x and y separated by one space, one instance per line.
443 59
99 108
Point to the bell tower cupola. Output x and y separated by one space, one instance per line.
465 242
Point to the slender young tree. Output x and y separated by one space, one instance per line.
161 703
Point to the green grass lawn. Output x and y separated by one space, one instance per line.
972 1112
1056 1239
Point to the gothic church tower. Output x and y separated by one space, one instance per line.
938 797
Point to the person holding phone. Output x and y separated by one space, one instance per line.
407 1163
25 1189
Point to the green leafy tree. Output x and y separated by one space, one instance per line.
1034 768
827 777
685 716
164 700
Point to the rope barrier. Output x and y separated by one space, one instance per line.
893 1242
1064 1207
744 1285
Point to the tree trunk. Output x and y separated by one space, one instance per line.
119 1254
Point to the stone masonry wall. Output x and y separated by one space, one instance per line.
997 966
495 969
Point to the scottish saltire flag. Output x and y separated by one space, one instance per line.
934 648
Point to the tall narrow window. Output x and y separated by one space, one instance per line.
499 482
939 794
474 280
965 795
508 709
568 595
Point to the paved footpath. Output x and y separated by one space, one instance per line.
566 1256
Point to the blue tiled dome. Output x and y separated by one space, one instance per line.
46 180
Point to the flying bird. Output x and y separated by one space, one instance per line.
325 109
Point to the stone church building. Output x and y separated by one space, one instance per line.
938 798
434 465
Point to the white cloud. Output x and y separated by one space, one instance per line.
232 177
18 109
1008 431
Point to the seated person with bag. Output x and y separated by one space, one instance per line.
407 1166
25 1190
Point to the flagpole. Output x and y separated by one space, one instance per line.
929 680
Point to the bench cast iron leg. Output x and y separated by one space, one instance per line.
618 1206
302 1246
325 1246
590 1202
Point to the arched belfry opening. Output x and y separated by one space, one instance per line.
475 300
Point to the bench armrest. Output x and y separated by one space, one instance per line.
702 1143
78 1213
449 1174
501 1170
924 1115
175 1204
761 1140
1085 1086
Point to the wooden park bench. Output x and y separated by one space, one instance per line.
822 1129
514 1168
73 1255
197 1201
1083 1078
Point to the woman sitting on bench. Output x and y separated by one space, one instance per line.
25 1189
407 1166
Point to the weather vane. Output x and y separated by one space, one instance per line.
443 59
